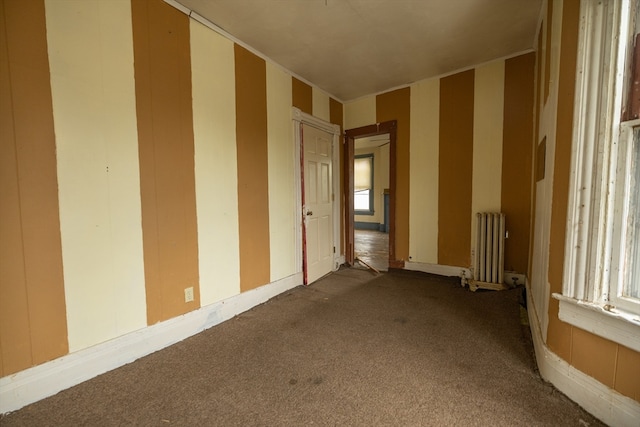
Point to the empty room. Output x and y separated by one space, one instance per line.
328 212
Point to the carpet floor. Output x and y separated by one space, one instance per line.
353 349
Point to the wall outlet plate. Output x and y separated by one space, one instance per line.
188 294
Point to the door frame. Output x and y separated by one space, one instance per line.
350 135
301 118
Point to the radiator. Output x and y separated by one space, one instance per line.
488 268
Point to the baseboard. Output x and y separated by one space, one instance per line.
361 225
596 398
45 380
441 270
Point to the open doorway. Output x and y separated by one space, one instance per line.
371 201
370 195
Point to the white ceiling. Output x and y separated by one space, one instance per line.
353 48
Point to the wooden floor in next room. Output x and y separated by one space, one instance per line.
372 247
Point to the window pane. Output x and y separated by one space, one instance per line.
631 287
362 174
361 200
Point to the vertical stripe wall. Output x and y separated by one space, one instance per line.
320 103
281 157
361 112
161 49
253 174
135 165
488 125
136 143
396 105
559 333
216 175
455 171
423 171
517 159
98 170
302 95
33 326
469 150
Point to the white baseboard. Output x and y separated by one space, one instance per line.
602 402
47 379
441 270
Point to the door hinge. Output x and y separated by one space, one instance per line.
334 249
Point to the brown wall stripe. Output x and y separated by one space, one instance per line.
33 326
336 113
396 105
302 95
517 158
559 333
336 117
165 138
253 177
593 355
455 170
627 380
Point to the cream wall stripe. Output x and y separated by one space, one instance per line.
320 104
423 171
360 113
214 118
487 141
281 172
92 84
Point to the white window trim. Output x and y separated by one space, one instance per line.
619 327
621 209
589 242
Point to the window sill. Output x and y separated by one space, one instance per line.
618 326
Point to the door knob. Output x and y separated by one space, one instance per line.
309 213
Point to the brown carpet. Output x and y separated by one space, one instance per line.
398 349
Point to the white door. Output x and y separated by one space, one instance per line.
318 202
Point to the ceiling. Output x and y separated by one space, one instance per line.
353 48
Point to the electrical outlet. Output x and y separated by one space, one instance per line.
188 294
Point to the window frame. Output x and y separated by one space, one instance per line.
595 188
620 250
371 210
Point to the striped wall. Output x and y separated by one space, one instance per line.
165 145
33 315
423 171
612 365
96 139
464 146
281 173
396 105
456 168
515 187
214 118
253 174
142 154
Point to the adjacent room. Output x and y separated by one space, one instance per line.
276 212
